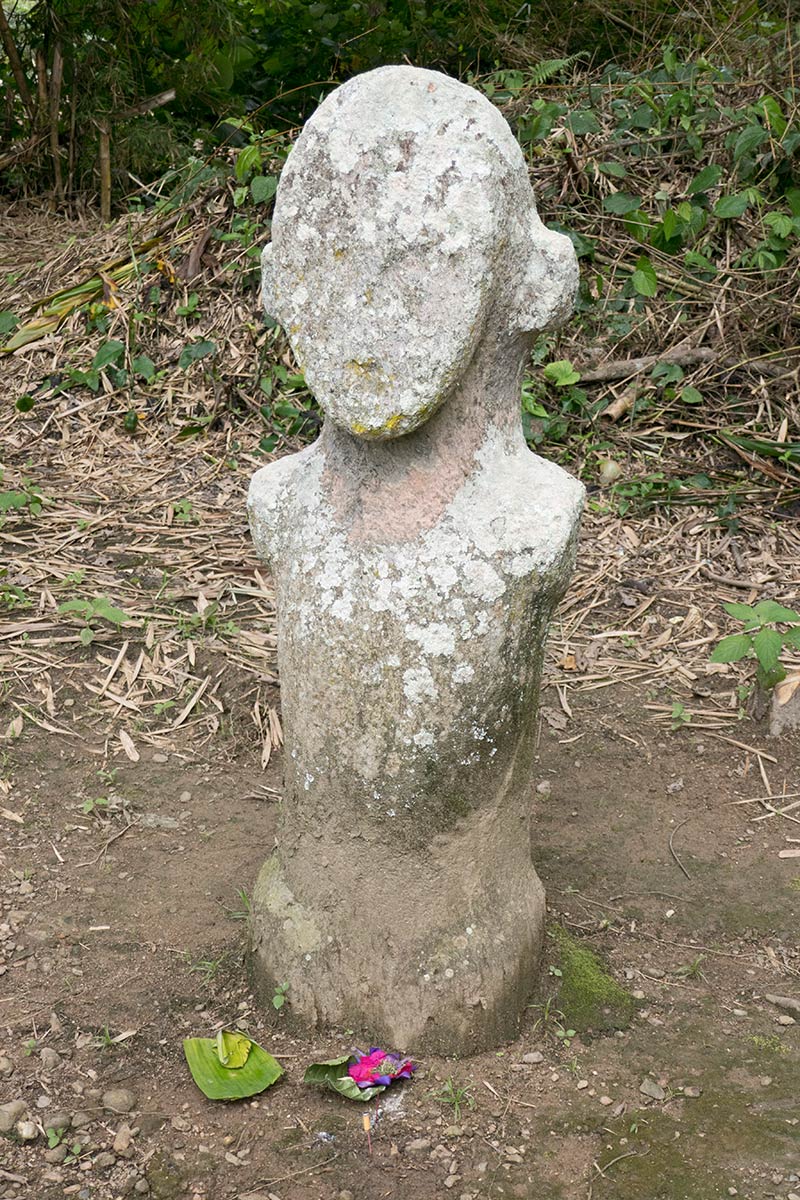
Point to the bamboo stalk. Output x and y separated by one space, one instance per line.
56 80
105 170
16 65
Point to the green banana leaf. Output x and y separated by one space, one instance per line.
249 1068
333 1074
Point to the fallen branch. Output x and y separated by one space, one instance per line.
621 368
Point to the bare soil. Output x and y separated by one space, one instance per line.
139 776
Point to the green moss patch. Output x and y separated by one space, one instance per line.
589 997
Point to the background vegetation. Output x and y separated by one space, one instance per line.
664 140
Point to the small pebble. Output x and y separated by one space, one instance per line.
27 1131
534 1057
58 1120
582 1083
649 1087
56 1155
142 1187
6 1066
692 1092
81 1119
544 788
104 1161
50 1058
11 1113
785 1019
158 758
418 1145
606 1100
120 1100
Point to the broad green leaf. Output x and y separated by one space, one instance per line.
731 648
792 638
109 352
144 366
690 395
582 121
621 203
644 278
263 188
709 177
749 140
779 223
233 1048
102 607
772 113
333 1074
219 1082
731 206
8 322
742 612
614 169
767 645
561 373
77 606
770 610
195 351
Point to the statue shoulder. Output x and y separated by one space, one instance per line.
274 498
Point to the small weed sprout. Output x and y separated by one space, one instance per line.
457 1096
279 998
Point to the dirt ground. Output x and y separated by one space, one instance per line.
139 775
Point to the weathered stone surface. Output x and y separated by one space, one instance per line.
415 574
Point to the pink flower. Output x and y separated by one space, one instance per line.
379 1068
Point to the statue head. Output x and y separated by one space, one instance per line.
404 230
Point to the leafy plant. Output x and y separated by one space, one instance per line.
279 998
458 1097
760 638
26 496
98 608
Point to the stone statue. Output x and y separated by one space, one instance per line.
418 549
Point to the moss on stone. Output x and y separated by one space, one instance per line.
589 997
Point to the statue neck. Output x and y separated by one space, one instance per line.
392 490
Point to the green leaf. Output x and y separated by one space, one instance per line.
731 206
263 188
779 223
102 607
621 203
690 395
644 278
77 606
233 1049
144 366
749 140
8 322
731 648
333 1074
109 352
582 121
742 612
24 404
614 169
195 351
218 1082
792 638
770 610
767 645
709 177
667 372
561 373
86 636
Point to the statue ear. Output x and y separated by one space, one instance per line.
268 298
546 293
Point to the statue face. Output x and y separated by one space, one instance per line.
399 211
